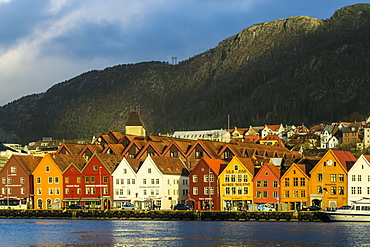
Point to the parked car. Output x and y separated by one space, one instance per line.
265 207
129 206
76 206
181 206
311 208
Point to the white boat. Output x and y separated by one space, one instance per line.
358 211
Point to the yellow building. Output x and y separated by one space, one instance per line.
328 183
48 180
294 186
135 125
236 184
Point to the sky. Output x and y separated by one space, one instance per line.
45 42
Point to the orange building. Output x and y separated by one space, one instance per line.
295 187
328 183
48 180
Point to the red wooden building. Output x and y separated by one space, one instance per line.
204 184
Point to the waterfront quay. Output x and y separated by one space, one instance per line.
160 215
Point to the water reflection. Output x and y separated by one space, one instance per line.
180 233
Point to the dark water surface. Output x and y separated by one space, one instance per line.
87 233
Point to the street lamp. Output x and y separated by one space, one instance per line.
100 190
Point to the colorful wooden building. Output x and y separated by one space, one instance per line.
236 184
328 183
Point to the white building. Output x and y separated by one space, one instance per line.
125 182
359 179
163 180
210 135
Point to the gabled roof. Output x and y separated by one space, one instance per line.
170 166
29 163
92 148
115 135
248 163
216 165
64 160
273 127
134 119
271 137
116 148
73 149
134 163
346 158
110 161
157 147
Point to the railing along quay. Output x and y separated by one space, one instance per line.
160 215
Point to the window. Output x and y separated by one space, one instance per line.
295 193
92 179
105 191
258 184
124 171
359 178
9 180
276 184
51 191
341 178
93 190
3 180
286 182
23 190
227 190
319 189
149 170
47 168
39 191
333 179
233 190
227 178
22 180
78 190
333 190
87 191
78 180
206 190
295 181
13 169
50 180
286 193
353 190
245 178
236 168
195 178
95 167
105 179
117 181
205 178
211 178
157 181
233 178
353 178
87 180
38 180
211 191
245 190
341 190
265 184
319 177
274 194
303 182
198 154
56 180
303 193
359 190
195 190
144 192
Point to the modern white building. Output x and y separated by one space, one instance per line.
210 135
163 181
359 179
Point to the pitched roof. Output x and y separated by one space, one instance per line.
216 165
273 127
170 166
134 163
248 163
134 119
346 158
110 161
64 160
72 148
29 163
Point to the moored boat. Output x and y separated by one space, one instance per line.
358 211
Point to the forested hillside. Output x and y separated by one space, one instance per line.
291 71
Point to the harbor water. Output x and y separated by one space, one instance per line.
86 233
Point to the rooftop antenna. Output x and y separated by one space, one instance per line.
174 60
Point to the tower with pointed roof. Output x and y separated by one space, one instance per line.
135 125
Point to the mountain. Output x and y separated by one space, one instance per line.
291 71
